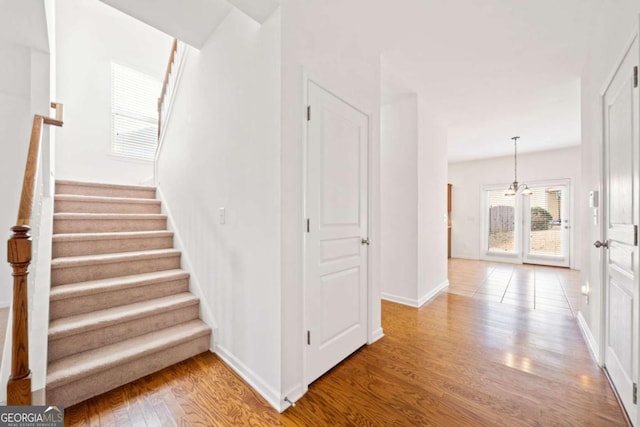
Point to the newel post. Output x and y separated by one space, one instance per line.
19 257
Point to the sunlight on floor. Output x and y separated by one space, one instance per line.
535 287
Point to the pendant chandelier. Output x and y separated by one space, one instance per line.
516 187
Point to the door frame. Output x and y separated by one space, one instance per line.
372 335
603 219
517 257
566 182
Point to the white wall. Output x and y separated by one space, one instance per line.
318 38
89 35
222 149
24 92
15 130
468 178
432 204
413 175
399 199
615 23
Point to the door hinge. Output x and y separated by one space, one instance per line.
635 76
308 225
308 112
635 393
635 235
308 337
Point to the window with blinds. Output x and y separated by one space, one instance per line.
134 113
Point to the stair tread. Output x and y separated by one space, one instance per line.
84 364
111 235
92 287
104 199
64 262
93 216
105 185
85 322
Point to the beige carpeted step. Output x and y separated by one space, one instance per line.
95 267
104 190
96 204
84 297
75 334
75 244
106 223
76 378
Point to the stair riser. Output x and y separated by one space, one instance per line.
107 225
85 304
104 246
88 190
84 273
107 335
85 388
73 206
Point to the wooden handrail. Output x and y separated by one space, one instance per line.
165 82
19 253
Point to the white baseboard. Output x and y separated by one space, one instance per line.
594 348
416 303
399 300
432 294
253 379
376 335
293 395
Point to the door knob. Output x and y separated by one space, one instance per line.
599 244
366 241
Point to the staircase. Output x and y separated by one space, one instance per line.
120 304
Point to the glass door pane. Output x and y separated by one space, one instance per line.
501 226
546 239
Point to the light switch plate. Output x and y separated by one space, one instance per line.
222 215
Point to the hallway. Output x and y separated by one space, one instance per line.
458 360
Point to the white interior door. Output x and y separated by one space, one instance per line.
546 228
620 102
336 238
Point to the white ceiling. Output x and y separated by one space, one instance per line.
191 21
493 69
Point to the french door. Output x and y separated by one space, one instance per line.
532 229
546 226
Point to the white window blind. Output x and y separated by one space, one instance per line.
134 113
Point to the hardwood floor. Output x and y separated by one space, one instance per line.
456 361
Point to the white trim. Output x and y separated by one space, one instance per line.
294 394
194 284
376 335
433 293
253 379
411 302
618 63
417 302
592 343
